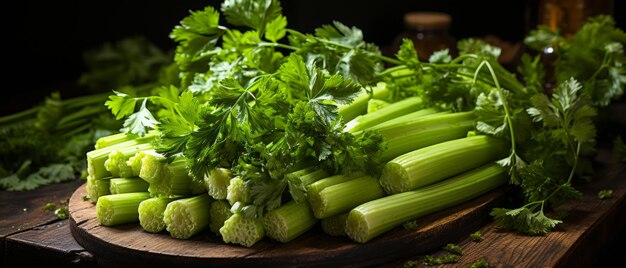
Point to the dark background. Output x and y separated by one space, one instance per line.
47 38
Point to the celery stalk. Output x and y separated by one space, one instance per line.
300 180
359 105
117 163
288 221
114 139
134 162
342 197
97 188
376 217
127 185
394 110
120 208
151 213
409 135
220 212
335 225
436 162
96 158
238 191
186 217
217 182
167 179
243 231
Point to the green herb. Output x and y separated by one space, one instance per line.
49 207
452 248
86 197
62 213
605 193
410 225
448 258
410 264
476 236
481 263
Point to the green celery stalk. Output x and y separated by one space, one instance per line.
127 185
217 182
120 208
97 188
359 105
113 139
168 179
405 136
374 105
186 217
96 158
376 217
300 180
392 111
219 213
436 162
151 213
117 164
134 162
289 221
341 197
335 225
242 231
238 191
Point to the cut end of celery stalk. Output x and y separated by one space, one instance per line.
335 225
396 178
119 209
217 182
356 227
237 192
242 231
151 167
151 214
186 217
288 221
134 162
219 213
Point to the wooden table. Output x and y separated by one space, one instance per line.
590 236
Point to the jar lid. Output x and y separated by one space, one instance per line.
427 20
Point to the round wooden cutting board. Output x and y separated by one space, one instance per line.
129 245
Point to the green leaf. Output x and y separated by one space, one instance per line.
605 193
121 105
255 14
407 53
275 29
441 56
452 248
449 258
542 38
478 47
524 220
197 36
139 122
340 33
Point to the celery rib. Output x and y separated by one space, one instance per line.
151 213
242 231
376 217
186 217
127 185
436 162
289 221
120 208
342 197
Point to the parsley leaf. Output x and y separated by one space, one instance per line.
525 219
140 121
255 14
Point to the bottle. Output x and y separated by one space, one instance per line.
567 16
429 32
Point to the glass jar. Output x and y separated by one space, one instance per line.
429 32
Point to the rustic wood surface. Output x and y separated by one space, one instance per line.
130 242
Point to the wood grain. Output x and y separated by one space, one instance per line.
128 243
47 245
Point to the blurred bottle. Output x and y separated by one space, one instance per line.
429 32
567 16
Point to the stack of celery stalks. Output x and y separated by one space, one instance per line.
432 161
